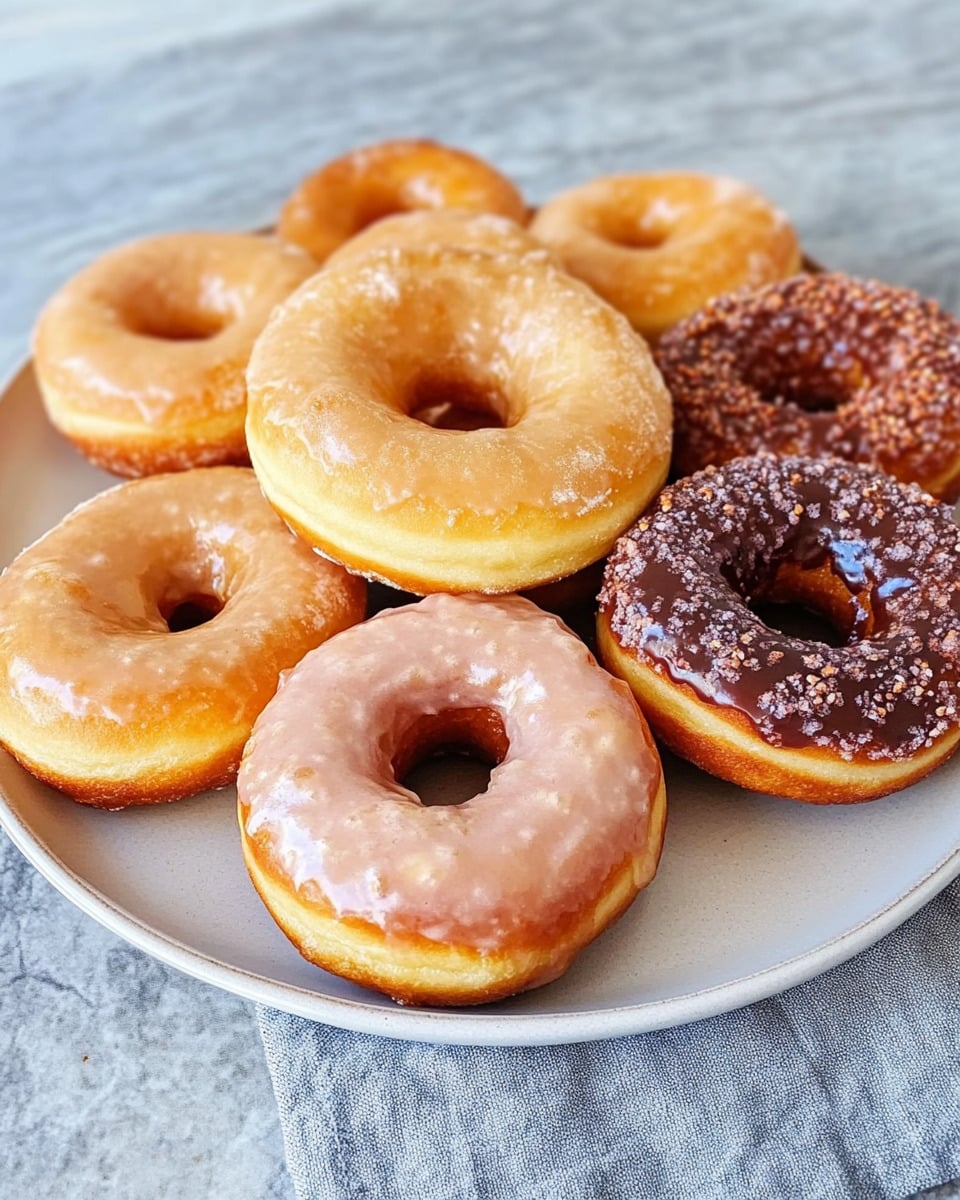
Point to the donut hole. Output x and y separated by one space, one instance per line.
172 323
798 621
813 403
461 405
447 757
189 612
188 306
815 605
646 230
809 401
807 386
638 238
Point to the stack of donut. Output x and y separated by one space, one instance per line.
440 391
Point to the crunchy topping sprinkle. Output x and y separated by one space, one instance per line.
677 586
818 364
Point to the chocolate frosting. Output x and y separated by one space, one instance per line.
677 587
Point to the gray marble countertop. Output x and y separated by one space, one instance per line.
120 1077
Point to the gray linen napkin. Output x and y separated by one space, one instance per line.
847 1086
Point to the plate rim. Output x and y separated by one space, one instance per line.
464 1026
474 1027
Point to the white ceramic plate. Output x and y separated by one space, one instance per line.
754 894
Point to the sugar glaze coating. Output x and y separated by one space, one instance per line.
573 800
444 227
367 184
141 356
657 246
114 708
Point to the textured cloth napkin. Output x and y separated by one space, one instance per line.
846 1086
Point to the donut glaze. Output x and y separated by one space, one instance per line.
444 227
97 695
781 714
345 362
352 192
820 364
141 357
658 246
433 228
450 904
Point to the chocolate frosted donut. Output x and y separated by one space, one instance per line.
820 364
769 711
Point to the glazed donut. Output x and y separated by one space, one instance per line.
450 904
820 364
175 602
782 714
352 192
432 227
658 246
141 357
338 375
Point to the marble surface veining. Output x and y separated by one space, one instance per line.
119 1077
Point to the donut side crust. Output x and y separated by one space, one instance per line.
132 783
725 743
536 553
131 451
414 970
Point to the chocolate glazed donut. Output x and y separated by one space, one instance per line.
776 713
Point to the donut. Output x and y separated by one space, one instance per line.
792 716
339 375
431 227
174 604
354 191
820 364
141 356
658 246
450 904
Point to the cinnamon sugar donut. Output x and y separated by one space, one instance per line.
141 357
361 187
341 371
820 364
777 713
141 637
658 246
450 904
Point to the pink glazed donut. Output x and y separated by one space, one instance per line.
450 904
